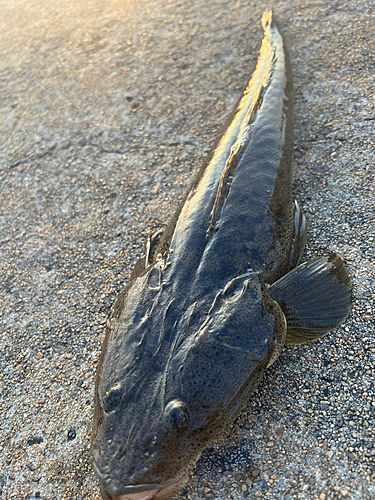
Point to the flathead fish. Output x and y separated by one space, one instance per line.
213 301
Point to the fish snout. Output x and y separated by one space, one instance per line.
112 485
143 495
141 492
136 492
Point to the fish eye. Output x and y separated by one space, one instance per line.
176 417
112 398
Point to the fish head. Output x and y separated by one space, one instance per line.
172 378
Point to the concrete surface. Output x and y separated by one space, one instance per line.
107 111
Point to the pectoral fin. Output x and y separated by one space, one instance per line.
315 298
148 255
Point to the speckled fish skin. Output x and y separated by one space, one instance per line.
191 335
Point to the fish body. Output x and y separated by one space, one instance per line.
206 309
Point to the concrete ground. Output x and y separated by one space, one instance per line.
107 110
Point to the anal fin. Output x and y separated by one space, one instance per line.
315 298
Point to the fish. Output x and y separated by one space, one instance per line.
213 300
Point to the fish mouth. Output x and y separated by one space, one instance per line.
147 491
141 495
141 492
136 492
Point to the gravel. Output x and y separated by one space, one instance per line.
107 110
